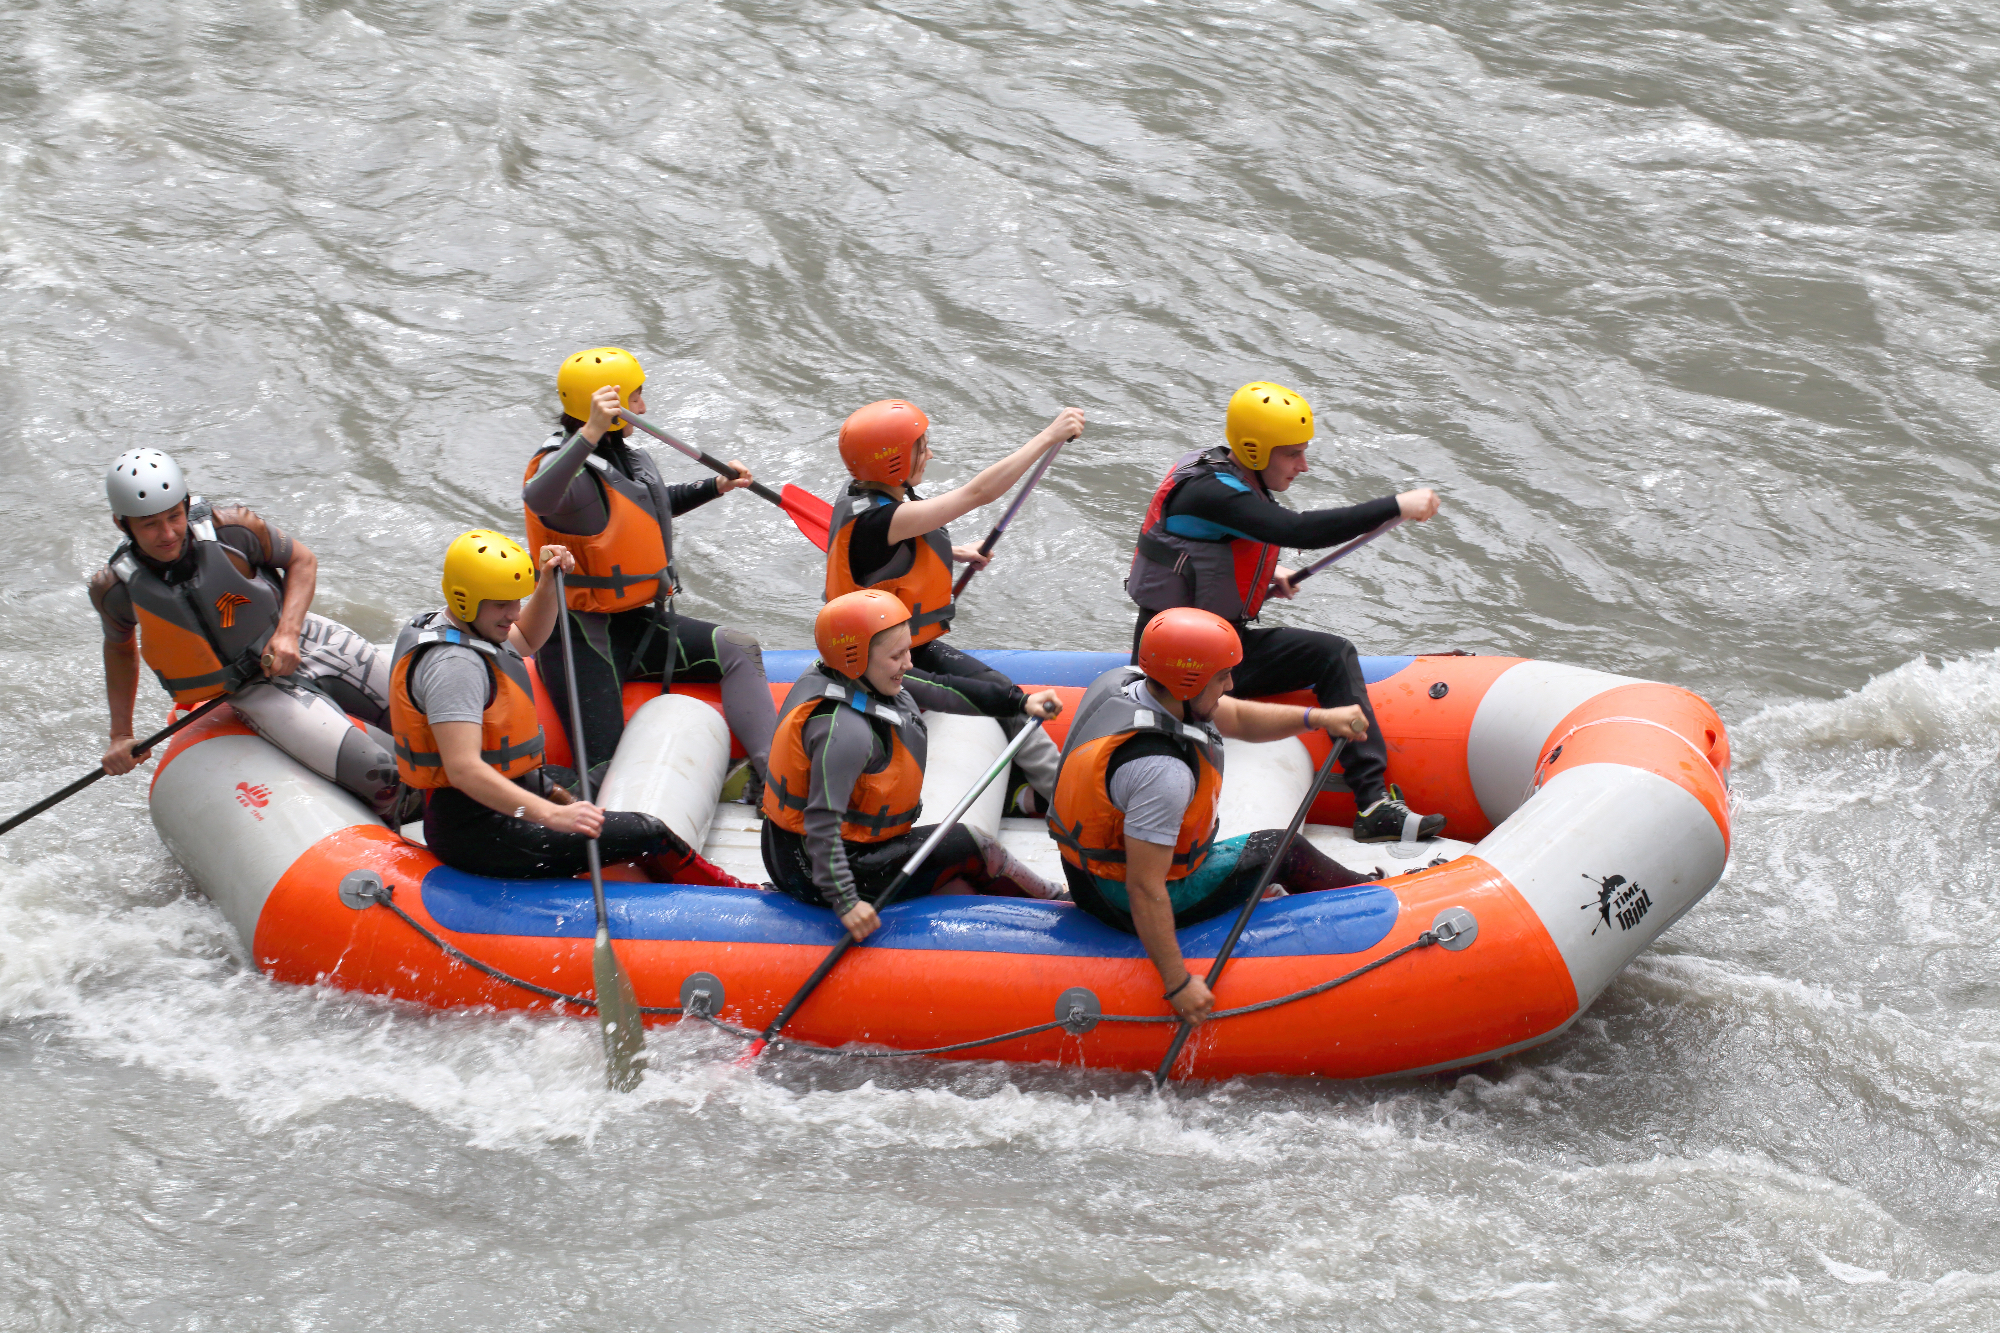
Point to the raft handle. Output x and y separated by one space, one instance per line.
701 995
1078 1010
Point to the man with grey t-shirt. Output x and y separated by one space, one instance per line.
1134 810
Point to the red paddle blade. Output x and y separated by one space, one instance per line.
749 1056
813 515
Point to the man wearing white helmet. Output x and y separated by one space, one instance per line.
214 599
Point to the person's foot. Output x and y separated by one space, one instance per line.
1024 802
752 794
670 867
1389 820
1005 872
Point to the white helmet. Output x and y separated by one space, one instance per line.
144 482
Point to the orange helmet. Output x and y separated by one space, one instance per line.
848 624
879 441
1184 648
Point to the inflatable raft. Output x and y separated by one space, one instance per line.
1597 806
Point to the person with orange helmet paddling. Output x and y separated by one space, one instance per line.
884 535
589 489
847 769
1135 808
1211 539
463 708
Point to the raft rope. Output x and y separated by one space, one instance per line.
385 896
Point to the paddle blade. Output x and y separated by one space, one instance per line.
812 514
749 1057
618 1018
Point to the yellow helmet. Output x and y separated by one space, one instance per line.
588 371
1263 417
485 566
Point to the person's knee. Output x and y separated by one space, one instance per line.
366 767
735 647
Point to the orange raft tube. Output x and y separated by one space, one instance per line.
1598 803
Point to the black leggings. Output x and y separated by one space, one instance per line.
467 836
1039 760
606 645
874 863
1282 659
1305 869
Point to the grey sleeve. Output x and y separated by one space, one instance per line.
841 743
1154 792
562 493
451 684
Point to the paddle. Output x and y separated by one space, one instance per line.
88 778
1020 498
1355 545
617 1002
896 886
1165 1071
812 514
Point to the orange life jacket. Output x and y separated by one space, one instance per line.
883 805
1088 829
205 634
620 567
1227 575
510 735
919 572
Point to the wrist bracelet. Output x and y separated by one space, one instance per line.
1309 719
1178 989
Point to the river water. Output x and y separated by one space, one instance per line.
1688 310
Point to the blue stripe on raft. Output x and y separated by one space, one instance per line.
1337 921
1029 666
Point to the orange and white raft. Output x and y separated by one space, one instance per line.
1598 804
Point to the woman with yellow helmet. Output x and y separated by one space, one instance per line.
1211 540
590 490
463 708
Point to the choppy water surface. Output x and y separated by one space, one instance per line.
1687 309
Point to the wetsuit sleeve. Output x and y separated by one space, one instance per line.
261 542
1211 509
962 694
562 493
685 495
870 548
842 743
113 606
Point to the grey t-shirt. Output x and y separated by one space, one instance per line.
1153 791
451 683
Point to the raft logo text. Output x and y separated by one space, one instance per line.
253 799
1618 900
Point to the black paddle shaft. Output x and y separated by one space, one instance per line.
1182 1031
59 797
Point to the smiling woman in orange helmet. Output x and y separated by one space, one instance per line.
884 535
847 770
1211 540
592 491
1134 812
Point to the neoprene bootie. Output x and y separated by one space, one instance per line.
1003 864
1389 820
